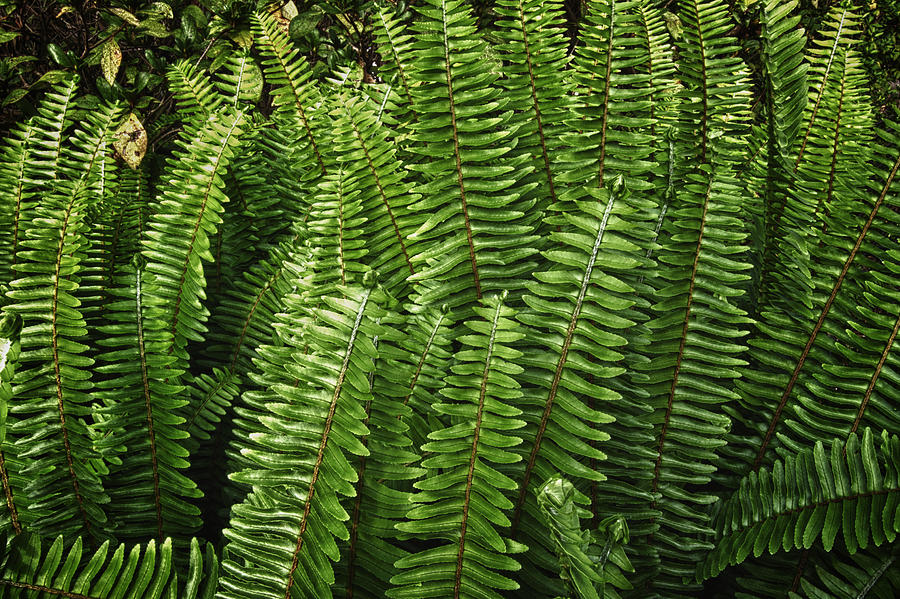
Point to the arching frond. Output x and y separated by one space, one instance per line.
852 489
28 569
50 428
300 446
460 504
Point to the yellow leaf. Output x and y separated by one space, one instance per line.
125 16
131 141
110 60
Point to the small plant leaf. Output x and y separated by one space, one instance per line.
125 16
131 141
111 60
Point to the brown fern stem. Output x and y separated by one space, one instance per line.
474 454
145 381
815 332
456 154
323 443
560 365
868 394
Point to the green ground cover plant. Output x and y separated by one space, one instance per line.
500 314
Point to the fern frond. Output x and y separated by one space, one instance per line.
245 314
578 310
192 89
478 232
461 502
212 397
430 333
30 570
696 350
31 157
286 69
395 47
336 245
534 49
852 576
785 76
50 388
14 204
241 81
853 489
177 237
142 397
312 417
715 81
796 344
369 157
382 489
793 196
10 348
613 123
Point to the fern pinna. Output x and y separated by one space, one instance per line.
531 315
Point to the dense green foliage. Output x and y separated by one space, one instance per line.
528 315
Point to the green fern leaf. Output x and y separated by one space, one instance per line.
461 502
177 236
50 429
192 89
535 51
285 69
300 466
853 490
30 570
478 232
10 348
17 148
369 158
141 398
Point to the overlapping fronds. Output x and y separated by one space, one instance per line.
369 160
460 504
142 398
50 424
559 305
334 252
382 489
478 234
301 442
177 238
74 571
31 154
716 89
579 309
852 489
244 316
284 68
423 359
613 118
801 350
692 370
